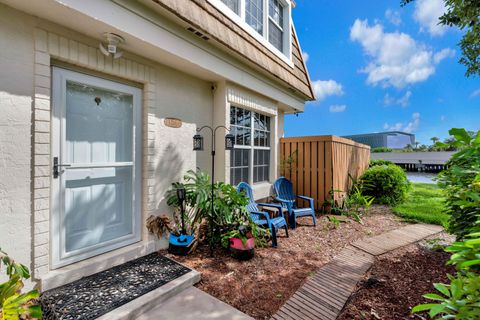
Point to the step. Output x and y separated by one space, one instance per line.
148 302
120 292
194 304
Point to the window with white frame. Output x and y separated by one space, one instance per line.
275 24
234 5
250 160
269 18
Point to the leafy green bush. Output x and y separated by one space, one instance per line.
379 162
461 182
381 149
388 184
229 206
461 298
14 304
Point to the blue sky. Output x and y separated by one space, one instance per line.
377 66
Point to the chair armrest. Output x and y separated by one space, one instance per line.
305 198
310 200
284 200
261 214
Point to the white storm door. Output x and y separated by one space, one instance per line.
96 142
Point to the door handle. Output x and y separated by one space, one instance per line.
56 165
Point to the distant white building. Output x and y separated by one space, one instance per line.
391 139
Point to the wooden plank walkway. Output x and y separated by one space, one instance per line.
323 295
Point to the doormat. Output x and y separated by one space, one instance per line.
95 295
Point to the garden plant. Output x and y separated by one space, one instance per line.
13 303
229 214
460 299
387 183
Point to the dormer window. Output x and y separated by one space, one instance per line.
254 14
234 5
275 24
266 20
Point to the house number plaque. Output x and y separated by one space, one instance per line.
172 122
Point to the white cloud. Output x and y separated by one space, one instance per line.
442 54
396 58
475 93
338 108
410 127
442 118
427 14
403 101
305 56
393 17
325 88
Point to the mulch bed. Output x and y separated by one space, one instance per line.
260 286
396 283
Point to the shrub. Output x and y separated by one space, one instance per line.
461 182
13 303
388 184
229 206
461 298
379 162
381 149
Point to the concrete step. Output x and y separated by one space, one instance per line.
149 301
194 304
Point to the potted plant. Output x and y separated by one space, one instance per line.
241 240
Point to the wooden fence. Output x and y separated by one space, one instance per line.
319 166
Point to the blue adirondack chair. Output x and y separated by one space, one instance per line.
284 190
263 218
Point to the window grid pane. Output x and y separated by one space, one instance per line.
239 166
275 35
234 5
276 12
261 166
254 14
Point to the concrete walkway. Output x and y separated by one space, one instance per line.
194 304
323 296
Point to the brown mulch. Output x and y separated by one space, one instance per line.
260 286
396 283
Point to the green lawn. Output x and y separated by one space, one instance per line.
424 204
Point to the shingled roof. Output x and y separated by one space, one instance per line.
207 19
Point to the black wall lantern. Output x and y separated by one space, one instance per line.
198 146
197 142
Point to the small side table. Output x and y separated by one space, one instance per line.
273 211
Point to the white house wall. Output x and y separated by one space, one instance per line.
16 91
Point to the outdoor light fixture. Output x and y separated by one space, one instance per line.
198 146
197 142
181 244
229 141
112 41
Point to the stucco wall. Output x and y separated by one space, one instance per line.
16 90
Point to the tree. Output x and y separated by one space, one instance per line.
416 144
465 15
434 139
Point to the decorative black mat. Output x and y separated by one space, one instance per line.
95 295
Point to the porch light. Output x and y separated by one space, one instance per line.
229 141
197 142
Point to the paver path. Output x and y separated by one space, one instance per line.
324 295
